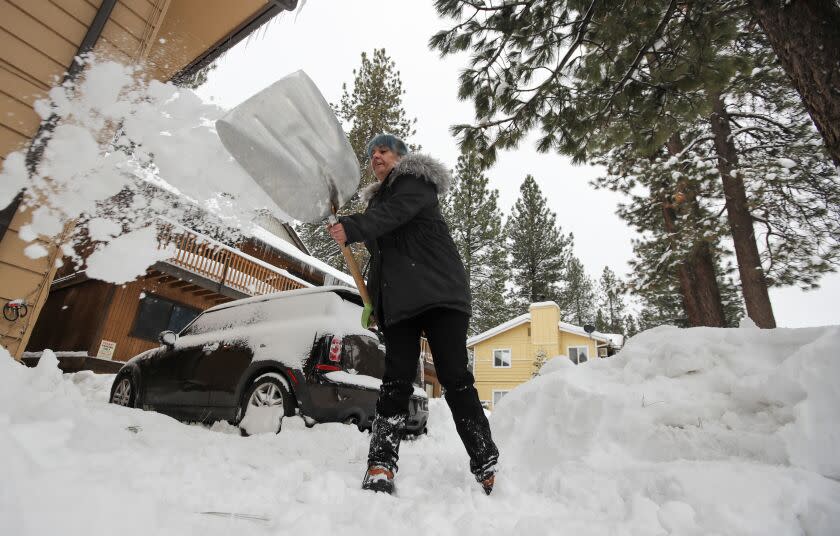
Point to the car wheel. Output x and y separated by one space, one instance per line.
264 405
124 390
354 421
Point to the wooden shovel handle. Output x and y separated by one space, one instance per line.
356 273
354 270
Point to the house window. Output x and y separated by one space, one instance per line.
156 314
501 358
579 354
497 396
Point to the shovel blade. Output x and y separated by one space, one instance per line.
289 141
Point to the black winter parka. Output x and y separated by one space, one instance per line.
414 263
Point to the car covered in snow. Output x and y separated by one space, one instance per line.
253 361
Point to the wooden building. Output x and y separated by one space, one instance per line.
119 321
39 43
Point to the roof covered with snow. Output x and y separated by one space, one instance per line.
521 319
501 328
291 250
577 330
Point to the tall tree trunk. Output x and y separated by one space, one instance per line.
806 37
698 281
753 282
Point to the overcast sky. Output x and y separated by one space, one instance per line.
326 37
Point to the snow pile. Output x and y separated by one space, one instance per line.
685 432
126 152
699 431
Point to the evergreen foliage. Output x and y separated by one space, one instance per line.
577 298
630 326
636 86
611 307
197 78
539 250
373 105
472 213
539 360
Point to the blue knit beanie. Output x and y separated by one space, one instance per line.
387 140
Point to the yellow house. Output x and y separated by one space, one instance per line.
507 355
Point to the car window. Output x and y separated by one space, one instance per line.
241 315
363 355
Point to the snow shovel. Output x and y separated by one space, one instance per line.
289 141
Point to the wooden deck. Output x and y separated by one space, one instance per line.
224 265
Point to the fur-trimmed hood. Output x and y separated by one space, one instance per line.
420 165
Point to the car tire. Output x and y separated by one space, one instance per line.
354 421
266 391
124 389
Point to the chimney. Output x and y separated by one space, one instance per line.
545 317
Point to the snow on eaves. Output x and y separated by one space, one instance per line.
616 340
276 242
577 330
521 319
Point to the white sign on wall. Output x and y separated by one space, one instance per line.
106 349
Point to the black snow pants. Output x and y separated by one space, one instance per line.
446 331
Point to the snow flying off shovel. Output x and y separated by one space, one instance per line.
290 142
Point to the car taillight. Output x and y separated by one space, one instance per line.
327 368
335 350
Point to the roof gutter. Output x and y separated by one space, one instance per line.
272 8
36 148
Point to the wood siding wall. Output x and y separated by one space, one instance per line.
523 356
72 316
123 310
38 40
488 377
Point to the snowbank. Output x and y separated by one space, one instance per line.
698 431
685 432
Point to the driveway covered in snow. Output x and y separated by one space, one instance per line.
701 431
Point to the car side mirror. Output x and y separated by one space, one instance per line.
168 338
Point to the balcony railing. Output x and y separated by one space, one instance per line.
224 265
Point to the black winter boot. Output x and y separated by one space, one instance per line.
487 478
384 452
379 479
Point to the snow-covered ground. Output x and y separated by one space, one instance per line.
701 431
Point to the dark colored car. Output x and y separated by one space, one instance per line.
253 361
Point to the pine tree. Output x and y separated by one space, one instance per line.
539 360
667 202
577 298
197 78
472 213
807 41
630 326
655 282
643 72
373 106
611 302
539 250
601 322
